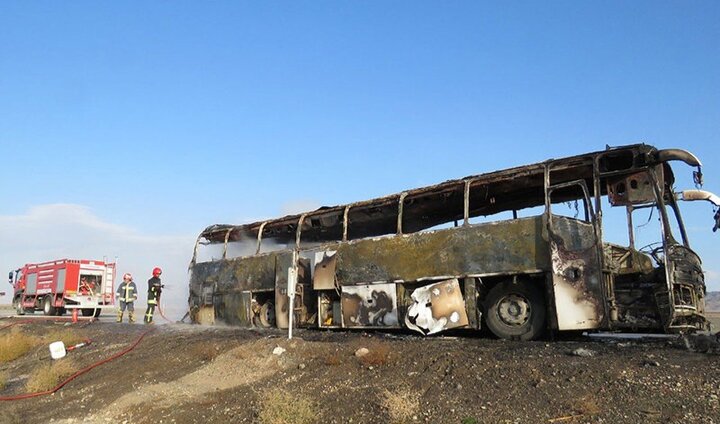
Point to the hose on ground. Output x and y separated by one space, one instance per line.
53 319
26 321
79 373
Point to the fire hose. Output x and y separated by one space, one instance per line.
53 319
163 314
79 373
160 309
26 321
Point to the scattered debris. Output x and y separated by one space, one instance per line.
278 351
362 352
702 343
582 352
565 418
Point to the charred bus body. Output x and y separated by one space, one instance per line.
419 260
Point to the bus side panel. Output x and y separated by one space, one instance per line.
369 306
282 304
215 286
251 273
234 309
513 246
577 286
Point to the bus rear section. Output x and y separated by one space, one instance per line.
55 287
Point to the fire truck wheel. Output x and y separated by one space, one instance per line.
18 306
60 311
515 311
267 314
48 308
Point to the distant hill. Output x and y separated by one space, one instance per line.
712 301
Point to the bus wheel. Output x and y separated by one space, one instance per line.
267 314
48 308
515 311
18 306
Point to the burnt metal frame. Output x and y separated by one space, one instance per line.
466 183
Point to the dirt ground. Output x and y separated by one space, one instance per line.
191 374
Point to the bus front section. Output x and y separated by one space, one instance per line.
667 288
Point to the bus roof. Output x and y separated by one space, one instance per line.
490 193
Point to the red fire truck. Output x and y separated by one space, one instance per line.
56 286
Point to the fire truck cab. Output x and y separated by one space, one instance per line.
57 286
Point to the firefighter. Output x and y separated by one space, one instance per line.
127 294
153 296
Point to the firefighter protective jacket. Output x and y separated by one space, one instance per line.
127 292
154 290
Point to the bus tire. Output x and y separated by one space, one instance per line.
267 315
48 308
515 311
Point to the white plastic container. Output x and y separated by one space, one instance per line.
57 350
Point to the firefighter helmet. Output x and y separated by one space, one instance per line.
127 276
157 271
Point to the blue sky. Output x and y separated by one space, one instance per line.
160 118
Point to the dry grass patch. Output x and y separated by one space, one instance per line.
401 405
48 376
14 345
3 380
586 405
333 359
68 336
379 354
205 351
279 406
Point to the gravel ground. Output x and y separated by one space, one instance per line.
192 374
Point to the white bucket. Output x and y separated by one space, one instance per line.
57 350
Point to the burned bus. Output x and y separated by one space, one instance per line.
519 252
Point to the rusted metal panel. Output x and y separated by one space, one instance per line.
324 275
470 293
437 307
221 282
686 305
282 304
633 189
205 315
576 274
304 302
499 247
234 308
250 273
369 306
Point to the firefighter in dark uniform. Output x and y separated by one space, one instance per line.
153 296
127 295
